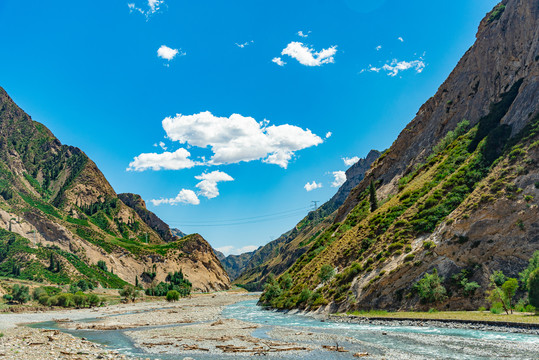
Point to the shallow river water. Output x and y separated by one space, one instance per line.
390 342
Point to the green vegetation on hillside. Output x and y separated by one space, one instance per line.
458 165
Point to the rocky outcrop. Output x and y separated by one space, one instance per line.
135 202
506 50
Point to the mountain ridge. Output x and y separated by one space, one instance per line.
61 206
457 191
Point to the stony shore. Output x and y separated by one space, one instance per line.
520 328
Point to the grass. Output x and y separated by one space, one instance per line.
450 315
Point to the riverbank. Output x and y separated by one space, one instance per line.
228 325
477 320
21 342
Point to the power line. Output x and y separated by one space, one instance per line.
253 220
281 213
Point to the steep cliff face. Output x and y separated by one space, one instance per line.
506 50
457 191
278 255
62 207
135 202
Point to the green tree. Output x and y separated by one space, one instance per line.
173 295
127 292
21 294
326 273
430 288
52 264
372 197
82 284
532 266
533 289
503 293
102 265
272 290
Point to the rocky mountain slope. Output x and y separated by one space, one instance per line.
234 264
61 217
279 254
457 191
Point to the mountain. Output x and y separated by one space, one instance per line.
278 255
58 208
234 264
178 233
136 203
456 193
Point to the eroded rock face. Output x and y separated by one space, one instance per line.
506 50
500 232
136 202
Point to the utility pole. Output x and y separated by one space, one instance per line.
315 207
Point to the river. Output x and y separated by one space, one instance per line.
402 342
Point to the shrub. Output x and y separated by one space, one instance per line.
326 273
65 300
173 295
94 300
496 308
38 292
286 282
130 293
44 300
429 245
409 258
430 288
304 296
21 294
79 299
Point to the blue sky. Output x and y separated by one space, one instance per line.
104 75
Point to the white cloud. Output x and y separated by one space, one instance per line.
238 138
162 145
307 56
400 39
278 61
396 66
247 43
232 250
379 47
350 161
208 185
328 134
340 178
184 197
303 35
167 160
312 186
153 7
164 52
